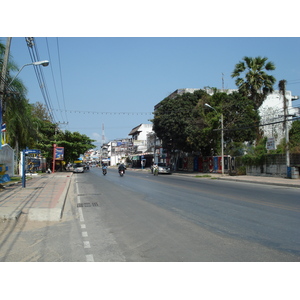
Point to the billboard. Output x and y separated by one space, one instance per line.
59 153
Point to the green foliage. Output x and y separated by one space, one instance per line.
252 80
19 122
171 120
185 123
74 144
294 137
16 109
256 155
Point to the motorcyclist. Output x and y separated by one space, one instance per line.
104 168
121 168
155 169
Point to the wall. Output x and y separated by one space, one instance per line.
274 166
7 158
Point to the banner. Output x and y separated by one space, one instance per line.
59 153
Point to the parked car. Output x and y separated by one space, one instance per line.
78 168
163 168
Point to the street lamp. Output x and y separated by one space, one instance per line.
222 137
44 63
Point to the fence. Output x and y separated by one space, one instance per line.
275 166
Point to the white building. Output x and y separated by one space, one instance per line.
272 114
140 135
118 149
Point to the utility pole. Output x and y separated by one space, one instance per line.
103 135
3 80
222 82
222 143
222 136
285 107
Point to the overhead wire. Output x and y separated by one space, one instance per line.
43 86
107 112
61 78
33 52
53 78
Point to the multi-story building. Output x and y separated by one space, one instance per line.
139 137
118 150
142 152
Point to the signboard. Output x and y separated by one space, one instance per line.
33 151
59 153
271 144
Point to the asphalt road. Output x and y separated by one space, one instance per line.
165 218
141 217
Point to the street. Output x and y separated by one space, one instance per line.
165 218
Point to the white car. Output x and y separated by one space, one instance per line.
78 168
163 168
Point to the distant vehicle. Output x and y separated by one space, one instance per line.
104 170
163 168
78 168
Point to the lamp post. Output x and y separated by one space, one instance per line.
222 137
44 63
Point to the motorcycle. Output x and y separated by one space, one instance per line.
121 172
104 171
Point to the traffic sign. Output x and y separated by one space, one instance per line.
34 151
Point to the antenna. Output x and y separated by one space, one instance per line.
103 135
223 81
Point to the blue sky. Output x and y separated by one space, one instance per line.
121 79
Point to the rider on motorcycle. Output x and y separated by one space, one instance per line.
121 168
104 168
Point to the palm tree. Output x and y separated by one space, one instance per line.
16 112
256 83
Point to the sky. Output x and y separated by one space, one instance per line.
105 86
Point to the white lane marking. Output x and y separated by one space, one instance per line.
86 244
89 258
77 188
80 214
80 210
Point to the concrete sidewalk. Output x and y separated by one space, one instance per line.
42 199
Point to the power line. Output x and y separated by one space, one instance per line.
258 125
33 51
61 79
105 112
53 78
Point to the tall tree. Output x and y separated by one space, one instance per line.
184 123
74 144
252 79
16 109
171 119
19 122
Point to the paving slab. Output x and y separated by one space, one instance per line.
42 198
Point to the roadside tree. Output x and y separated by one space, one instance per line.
252 79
